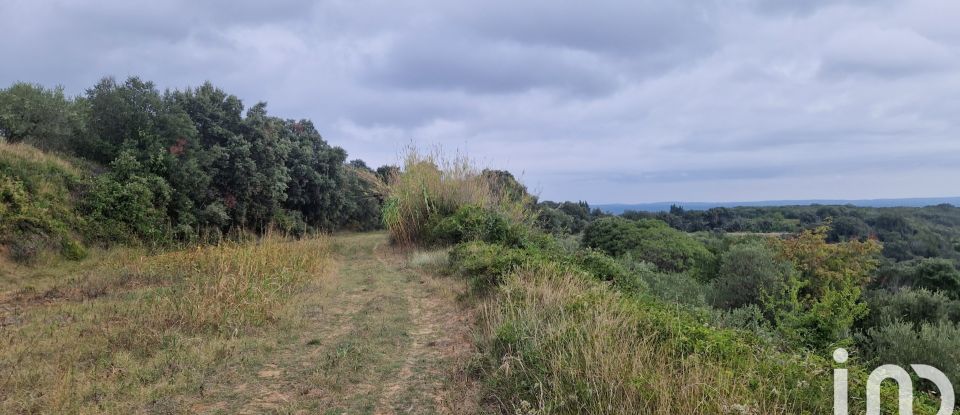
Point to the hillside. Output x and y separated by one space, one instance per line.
38 203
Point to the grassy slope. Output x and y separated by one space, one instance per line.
36 201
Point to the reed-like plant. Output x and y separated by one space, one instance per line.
433 185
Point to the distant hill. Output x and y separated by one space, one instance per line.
618 208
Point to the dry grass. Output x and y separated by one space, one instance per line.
563 345
433 261
232 286
137 333
27 154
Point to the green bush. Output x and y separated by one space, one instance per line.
820 304
290 222
613 235
748 272
604 268
915 306
652 241
127 205
485 264
749 318
72 249
676 288
472 223
935 274
899 342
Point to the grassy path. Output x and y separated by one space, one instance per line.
381 337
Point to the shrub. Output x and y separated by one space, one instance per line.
915 306
126 205
487 263
653 241
613 235
73 250
554 221
748 272
898 342
676 288
818 307
935 274
473 223
748 318
290 222
602 267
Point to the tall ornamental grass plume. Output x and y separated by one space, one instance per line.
433 185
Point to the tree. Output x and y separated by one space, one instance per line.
848 227
316 179
747 273
42 117
821 304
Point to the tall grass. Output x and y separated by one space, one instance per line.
236 285
140 332
433 185
557 343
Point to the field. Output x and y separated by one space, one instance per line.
323 324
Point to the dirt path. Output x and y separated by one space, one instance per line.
381 338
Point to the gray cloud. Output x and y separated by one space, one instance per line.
442 62
606 101
887 53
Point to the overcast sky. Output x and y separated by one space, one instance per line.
607 101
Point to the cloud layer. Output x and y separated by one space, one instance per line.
607 101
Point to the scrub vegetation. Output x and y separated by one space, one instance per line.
169 252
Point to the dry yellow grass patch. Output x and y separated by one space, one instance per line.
140 333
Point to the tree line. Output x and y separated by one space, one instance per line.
180 164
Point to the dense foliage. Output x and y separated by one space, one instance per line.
175 165
906 233
814 277
652 241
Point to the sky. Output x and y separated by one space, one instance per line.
605 101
